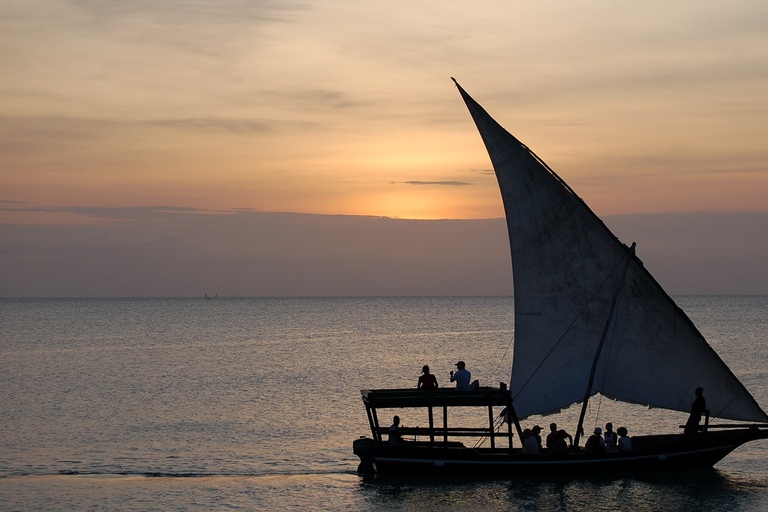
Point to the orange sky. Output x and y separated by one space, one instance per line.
347 108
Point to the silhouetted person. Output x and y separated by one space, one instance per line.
555 434
596 443
559 446
698 407
536 432
610 438
625 442
461 377
530 446
427 381
394 432
552 436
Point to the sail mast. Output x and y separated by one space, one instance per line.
588 391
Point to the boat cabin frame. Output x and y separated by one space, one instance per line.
442 399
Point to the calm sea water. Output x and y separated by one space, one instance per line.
253 404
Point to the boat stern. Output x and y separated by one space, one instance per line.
363 448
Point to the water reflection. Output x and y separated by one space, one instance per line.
709 490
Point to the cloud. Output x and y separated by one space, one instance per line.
109 213
441 183
60 128
172 10
314 98
186 22
237 126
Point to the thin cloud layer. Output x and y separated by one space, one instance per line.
440 183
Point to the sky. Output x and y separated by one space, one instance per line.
116 117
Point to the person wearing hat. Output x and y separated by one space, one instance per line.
596 443
559 445
461 377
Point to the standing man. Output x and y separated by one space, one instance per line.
698 407
461 377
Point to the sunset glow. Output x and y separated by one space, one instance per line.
319 108
117 115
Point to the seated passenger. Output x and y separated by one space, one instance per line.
530 445
610 438
536 432
427 381
461 377
595 443
552 436
559 446
625 442
394 432
554 432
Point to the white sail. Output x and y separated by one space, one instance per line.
576 284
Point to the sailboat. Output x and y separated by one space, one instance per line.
589 318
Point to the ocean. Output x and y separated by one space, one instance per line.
253 404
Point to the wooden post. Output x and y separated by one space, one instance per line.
431 426
490 422
376 423
445 425
374 430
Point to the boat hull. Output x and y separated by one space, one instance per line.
651 454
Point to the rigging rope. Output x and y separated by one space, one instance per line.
496 427
562 337
501 359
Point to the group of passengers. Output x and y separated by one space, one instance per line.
560 442
462 377
611 441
